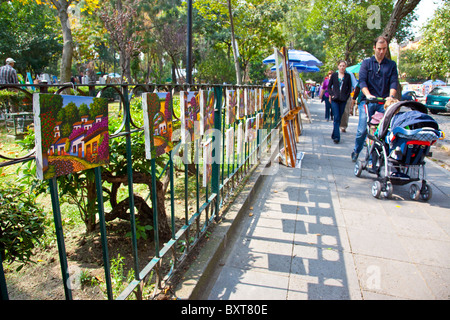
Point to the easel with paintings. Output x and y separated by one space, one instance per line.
300 90
288 111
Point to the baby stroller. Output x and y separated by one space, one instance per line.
396 149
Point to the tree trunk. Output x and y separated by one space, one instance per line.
67 53
401 9
234 45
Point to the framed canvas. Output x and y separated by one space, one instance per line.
207 105
190 116
229 145
207 162
282 83
241 103
71 134
157 108
250 129
240 139
231 106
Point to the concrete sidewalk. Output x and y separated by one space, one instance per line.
316 232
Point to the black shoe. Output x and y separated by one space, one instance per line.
336 140
354 156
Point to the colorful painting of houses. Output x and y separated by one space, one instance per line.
157 108
190 116
206 110
71 134
241 103
231 106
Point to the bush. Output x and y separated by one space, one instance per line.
21 224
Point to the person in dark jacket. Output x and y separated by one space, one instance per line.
339 88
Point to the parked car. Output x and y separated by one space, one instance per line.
412 96
438 100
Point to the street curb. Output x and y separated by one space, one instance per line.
196 279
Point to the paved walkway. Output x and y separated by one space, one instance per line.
316 232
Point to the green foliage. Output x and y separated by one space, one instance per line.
22 223
118 279
216 68
29 34
435 45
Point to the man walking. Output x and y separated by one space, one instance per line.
7 73
378 77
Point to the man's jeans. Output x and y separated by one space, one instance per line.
361 132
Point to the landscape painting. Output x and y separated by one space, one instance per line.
71 134
231 106
241 103
190 116
207 162
207 111
157 108
250 129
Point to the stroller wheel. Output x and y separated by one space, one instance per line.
376 189
414 192
426 192
358 168
388 190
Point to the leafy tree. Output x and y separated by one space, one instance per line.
256 26
62 10
28 34
119 19
349 28
435 46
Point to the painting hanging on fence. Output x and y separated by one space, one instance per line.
71 134
240 140
207 162
250 129
250 102
229 145
241 103
157 108
207 111
231 106
190 116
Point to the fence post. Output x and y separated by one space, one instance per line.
60 237
127 114
101 215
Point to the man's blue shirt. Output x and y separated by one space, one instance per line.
378 78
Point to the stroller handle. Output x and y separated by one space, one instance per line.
378 100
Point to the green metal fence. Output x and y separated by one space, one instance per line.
226 178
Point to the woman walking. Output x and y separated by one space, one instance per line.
339 88
324 96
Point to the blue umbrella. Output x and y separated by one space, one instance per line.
305 68
300 67
299 56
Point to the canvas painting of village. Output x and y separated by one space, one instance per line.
207 162
157 108
231 106
229 145
71 134
240 140
250 102
190 116
241 103
250 129
207 111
